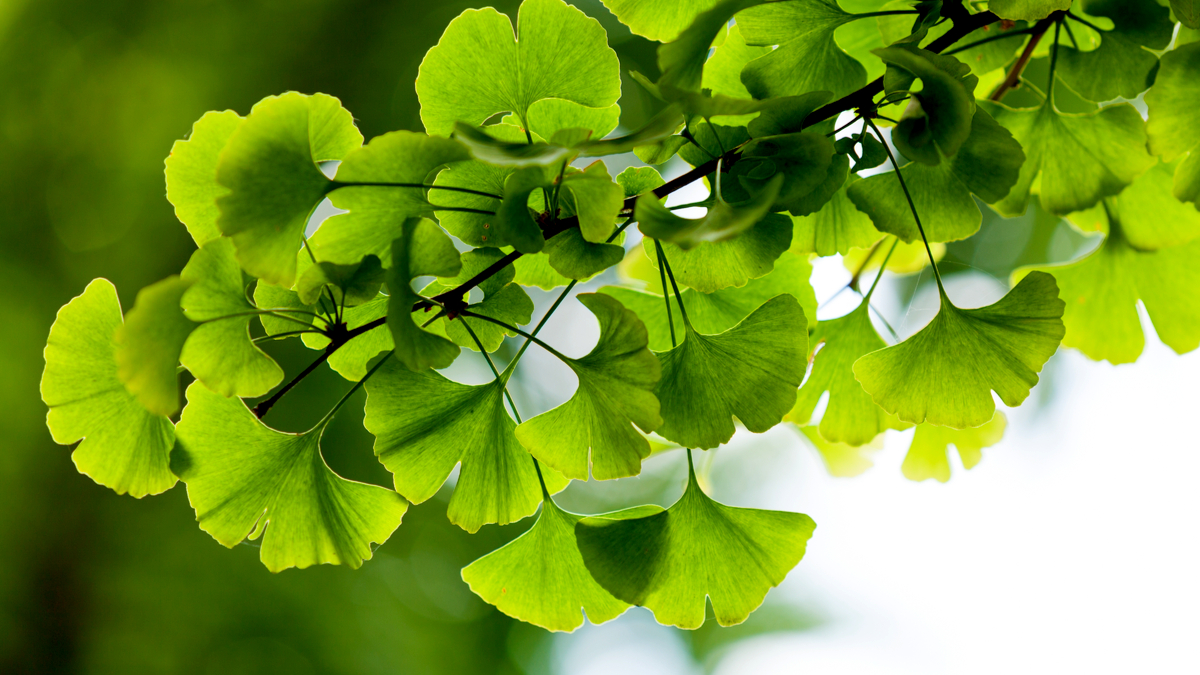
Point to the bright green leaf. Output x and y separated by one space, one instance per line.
596 199
927 456
1027 10
938 118
808 59
421 249
712 266
945 374
661 20
124 446
246 480
836 228
502 300
843 460
1120 66
723 221
191 171
149 343
349 285
1171 126
270 168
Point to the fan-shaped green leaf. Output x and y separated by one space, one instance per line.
514 223
723 221
803 159
927 456
497 152
349 285
712 266
1027 10
716 312
421 249
851 417
425 424
1119 66
539 577
475 229
502 300
808 59
938 119
246 480
270 168
723 70
682 60
616 381
551 115
149 343
1074 159
836 228
124 446
219 351
669 562
1149 216
596 199
479 68
841 459
1171 127
751 372
661 20
945 374
191 171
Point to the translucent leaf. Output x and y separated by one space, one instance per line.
596 199
399 157
1075 159
1171 127
539 577
945 374
268 296
723 221
270 168
551 115
661 20
1187 12
503 301
421 249
836 228
851 417
808 59
1119 66
149 343
475 229
219 351
927 456
988 164
124 446
716 312
1102 289
478 69
670 561
803 159
723 70
191 171
938 119
497 152
572 257
841 459
1149 216
682 60
906 259
1027 10
425 424
616 381
751 371
352 358
514 223
349 285
712 266
246 480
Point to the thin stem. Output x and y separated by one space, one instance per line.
462 209
844 126
868 15
862 267
913 207
257 312
263 408
883 318
1086 23
662 274
993 38
882 269
491 364
518 331
1071 34
1053 61
285 334
337 185
528 341
357 385
670 275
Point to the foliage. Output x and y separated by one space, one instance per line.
714 321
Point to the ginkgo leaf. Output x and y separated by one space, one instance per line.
502 300
616 383
842 460
723 221
1172 105
836 228
421 249
988 164
149 343
124 446
219 352
573 257
945 374
497 152
716 312
661 20
514 224
479 68
786 114
672 560
352 358
1102 289
927 455
712 266
906 258
851 417
551 115
191 171
802 159
246 480
475 229
596 200
1027 10
269 167
807 59
1187 12
682 60
938 118
270 297
398 158
751 372
539 577
425 424
723 70
1120 66
1150 216
349 285
1075 159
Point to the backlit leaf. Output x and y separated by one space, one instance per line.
149 343
191 171
808 59
1171 127
927 456
421 249
1119 66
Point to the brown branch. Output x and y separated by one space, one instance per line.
1014 75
